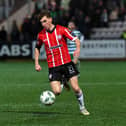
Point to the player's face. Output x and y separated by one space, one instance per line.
71 26
46 22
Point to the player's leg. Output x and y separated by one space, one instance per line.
78 67
56 88
79 94
64 80
77 64
74 84
72 73
54 78
64 83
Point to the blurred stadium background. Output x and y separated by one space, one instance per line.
103 66
103 23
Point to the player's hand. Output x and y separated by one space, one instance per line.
75 60
76 53
38 67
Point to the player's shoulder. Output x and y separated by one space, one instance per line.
76 31
60 26
43 31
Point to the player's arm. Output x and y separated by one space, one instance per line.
77 51
37 53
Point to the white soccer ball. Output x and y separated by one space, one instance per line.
47 97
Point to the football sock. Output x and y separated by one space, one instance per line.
80 99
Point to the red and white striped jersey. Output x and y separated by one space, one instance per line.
56 45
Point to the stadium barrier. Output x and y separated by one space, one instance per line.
90 49
15 50
103 49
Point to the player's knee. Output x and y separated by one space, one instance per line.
76 89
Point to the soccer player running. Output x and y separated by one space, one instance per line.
58 57
72 45
71 48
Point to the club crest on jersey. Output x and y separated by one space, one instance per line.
57 46
59 36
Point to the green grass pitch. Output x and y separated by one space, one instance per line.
104 85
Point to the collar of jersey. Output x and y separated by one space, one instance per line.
50 31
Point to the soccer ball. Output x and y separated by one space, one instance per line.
47 97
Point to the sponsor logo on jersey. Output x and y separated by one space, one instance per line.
54 47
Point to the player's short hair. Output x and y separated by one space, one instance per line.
45 13
72 21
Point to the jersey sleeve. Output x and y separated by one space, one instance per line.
67 34
39 42
80 36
